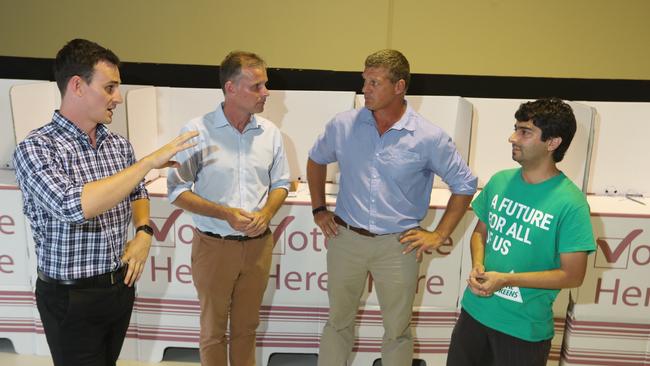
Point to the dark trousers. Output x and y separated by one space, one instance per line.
84 326
474 344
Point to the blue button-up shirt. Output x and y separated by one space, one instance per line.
386 181
53 164
230 168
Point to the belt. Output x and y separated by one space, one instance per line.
103 280
235 237
357 230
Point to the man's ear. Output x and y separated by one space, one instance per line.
75 85
229 86
400 86
553 143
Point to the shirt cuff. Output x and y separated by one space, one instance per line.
173 194
284 184
73 210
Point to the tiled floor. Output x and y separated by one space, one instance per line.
173 357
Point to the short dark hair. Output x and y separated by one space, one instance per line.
79 57
554 117
231 66
395 62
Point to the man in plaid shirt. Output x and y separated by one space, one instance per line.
81 185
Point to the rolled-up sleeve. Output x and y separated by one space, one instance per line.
446 162
182 178
140 191
280 169
40 175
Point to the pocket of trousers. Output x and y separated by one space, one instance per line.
53 302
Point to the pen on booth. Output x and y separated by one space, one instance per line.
630 196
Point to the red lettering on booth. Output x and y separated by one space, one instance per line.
161 234
8 222
612 256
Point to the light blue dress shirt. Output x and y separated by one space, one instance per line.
230 168
386 181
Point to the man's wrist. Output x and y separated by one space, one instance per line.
442 234
318 209
148 162
145 229
507 279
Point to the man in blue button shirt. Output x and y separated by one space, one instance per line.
81 185
388 155
232 182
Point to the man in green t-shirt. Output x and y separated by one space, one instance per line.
532 239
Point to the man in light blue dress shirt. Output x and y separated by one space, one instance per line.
232 182
388 155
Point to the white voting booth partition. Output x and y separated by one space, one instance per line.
18 316
620 145
32 106
17 311
8 137
610 322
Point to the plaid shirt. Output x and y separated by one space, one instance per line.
52 165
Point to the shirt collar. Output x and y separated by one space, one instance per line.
222 121
70 127
404 123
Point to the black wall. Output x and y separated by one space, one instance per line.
202 76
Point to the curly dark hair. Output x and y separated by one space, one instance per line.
79 57
554 117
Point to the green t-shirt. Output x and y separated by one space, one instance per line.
528 227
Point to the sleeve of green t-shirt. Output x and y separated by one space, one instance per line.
480 204
575 232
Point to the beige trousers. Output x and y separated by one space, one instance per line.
230 277
350 257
